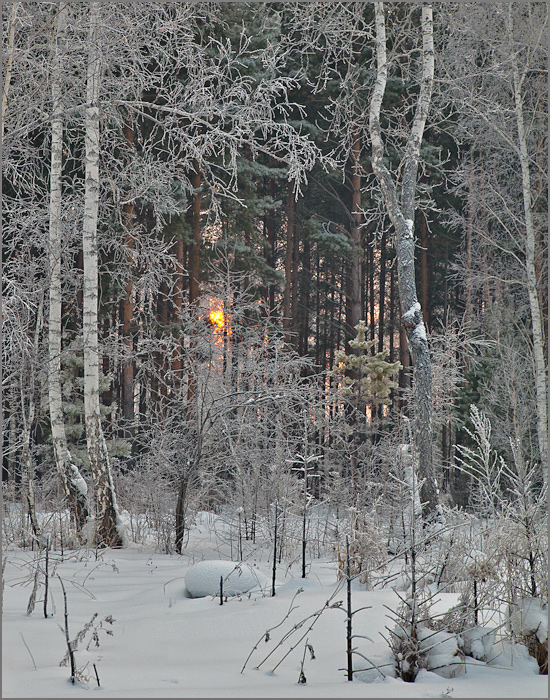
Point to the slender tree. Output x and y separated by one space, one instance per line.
74 486
541 381
401 212
109 529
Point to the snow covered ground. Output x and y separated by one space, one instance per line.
166 644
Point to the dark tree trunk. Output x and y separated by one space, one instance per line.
304 299
424 274
382 293
127 379
353 282
290 233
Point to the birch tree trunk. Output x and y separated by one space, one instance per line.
28 416
401 214
9 65
74 486
109 530
530 261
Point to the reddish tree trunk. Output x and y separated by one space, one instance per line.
194 289
353 285
290 225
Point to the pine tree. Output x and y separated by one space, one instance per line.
367 378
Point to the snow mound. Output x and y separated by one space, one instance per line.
293 585
515 655
531 618
478 642
203 578
441 652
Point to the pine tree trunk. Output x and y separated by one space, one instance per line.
128 314
162 359
469 233
382 293
109 530
372 300
305 284
272 242
353 286
294 291
392 325
194 273
177 360
287 316
74 486
401 213
424 279
195 251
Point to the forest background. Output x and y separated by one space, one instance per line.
201 300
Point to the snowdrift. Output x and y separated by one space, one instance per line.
203 578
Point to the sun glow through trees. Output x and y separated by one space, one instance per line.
217 317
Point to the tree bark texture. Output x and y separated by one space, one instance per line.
109 529
74 486
401 213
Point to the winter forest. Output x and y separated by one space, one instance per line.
275 341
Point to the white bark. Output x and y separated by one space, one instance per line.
109 530
541 385
27 476
74 485
9 65
401 214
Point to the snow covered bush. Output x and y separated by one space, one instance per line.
478 642
419 647
367 548
529 621
516 534
440 651
203 579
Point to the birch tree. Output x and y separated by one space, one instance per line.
74 486
541 384
399 197
109 530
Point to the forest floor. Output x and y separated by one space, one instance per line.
165 644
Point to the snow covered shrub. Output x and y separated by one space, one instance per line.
441 652
516 532
203 578
529 622
417 646
404 494
367 549
478 642
148 502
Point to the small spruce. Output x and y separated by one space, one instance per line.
367 377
